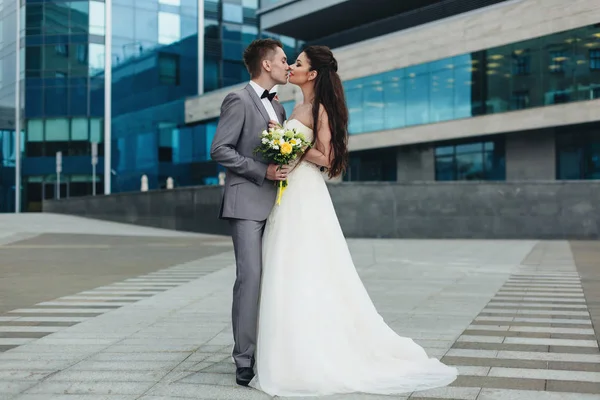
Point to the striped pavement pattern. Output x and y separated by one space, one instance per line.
533 340
24 325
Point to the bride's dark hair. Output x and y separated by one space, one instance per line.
330 93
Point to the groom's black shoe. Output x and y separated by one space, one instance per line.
243 376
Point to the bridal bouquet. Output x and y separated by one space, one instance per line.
282 146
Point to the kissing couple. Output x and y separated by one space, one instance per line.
303 322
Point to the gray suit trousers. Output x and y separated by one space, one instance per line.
247 244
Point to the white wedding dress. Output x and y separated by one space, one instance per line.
318 331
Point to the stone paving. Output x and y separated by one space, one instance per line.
511 315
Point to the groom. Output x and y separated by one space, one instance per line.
249 186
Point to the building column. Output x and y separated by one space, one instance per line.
415 163
531 155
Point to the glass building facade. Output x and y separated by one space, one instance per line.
559 68
154 67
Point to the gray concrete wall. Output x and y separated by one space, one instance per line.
513 210
531 156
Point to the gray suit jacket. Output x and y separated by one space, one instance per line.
248 194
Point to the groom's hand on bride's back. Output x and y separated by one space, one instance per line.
277 173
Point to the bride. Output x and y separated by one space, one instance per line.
318 330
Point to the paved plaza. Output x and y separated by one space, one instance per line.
103 311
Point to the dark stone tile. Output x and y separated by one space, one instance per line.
574 366
500 383
574 349
573 386
35 335
494 362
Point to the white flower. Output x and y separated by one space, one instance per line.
275 147
280 132
265 140
281 141
265 133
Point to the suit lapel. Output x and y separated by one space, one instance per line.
258 103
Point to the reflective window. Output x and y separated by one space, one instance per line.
79 129
578 152
57 129
555 69
96 58
461 160
372 165
35 130
146 25
170 2
233 13
168 68
169 28
97 18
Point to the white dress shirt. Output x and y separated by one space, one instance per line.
268 106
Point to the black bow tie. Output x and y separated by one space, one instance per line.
268 95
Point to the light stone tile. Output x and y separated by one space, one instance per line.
107 376
536 305
53 319
457 393
480 339
15 341
472 353
555 321
528 373
551 342
535 355
505 394
13 386
472 371
49 329
60 311
105 387
200 391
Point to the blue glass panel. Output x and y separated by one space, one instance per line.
441 101
417 99
34 102
78 100
394 96
146 25
123 21
55 101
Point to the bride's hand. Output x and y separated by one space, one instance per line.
274 124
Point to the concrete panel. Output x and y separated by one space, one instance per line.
532 119
485 210
531 155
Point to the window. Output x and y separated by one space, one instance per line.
97 18
470 161
169 28
558 61
520 100
522 64
373 165
233 13
578 152
62 49
168 69
595 60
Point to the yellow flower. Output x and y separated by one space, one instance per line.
286 148
293 142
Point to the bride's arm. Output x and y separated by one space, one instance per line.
320 154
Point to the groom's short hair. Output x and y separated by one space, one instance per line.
258 51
